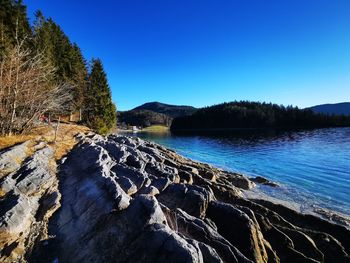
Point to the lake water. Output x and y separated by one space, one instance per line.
312 167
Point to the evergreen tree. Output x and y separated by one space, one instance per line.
46 39
43 37
246 114
100 111
65 56
79 76
13 23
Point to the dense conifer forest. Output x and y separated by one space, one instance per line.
42 72
245 114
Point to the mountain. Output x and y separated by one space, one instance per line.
172 111
337 108
153 113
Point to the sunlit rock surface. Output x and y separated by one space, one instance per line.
29 197
123 199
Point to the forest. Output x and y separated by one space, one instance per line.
251 115
142 118
43 73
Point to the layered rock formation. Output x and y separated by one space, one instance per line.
29 196
129 200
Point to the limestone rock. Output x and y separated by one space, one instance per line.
239 229
12 158
128 200
30 197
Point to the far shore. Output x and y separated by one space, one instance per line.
150 129
253 129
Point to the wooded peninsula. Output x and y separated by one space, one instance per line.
253 115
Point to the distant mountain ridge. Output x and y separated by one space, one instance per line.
336 108
157 113
172 111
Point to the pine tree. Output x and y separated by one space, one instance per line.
13 24
100 111
65 56
79 76
46 39
43 39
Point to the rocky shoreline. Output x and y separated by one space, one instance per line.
122 199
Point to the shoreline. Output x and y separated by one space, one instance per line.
312 198
262 129
330 215
257 193
127 197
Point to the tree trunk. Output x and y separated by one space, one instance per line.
13 114
56 131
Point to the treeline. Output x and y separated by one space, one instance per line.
245 114
142 118
43 73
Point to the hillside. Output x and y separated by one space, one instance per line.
170 110
143 118
245 114
336 108
153 113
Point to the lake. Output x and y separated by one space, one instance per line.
312 166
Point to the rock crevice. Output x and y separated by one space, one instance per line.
122 199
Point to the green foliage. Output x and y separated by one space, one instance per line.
100 112
143 118
13 22
245 114
65 56
172 111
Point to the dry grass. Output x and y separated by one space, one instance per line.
2 193
65 140
8 141
156 129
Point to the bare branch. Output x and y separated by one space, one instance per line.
28 91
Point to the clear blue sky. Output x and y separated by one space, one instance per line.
201 52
